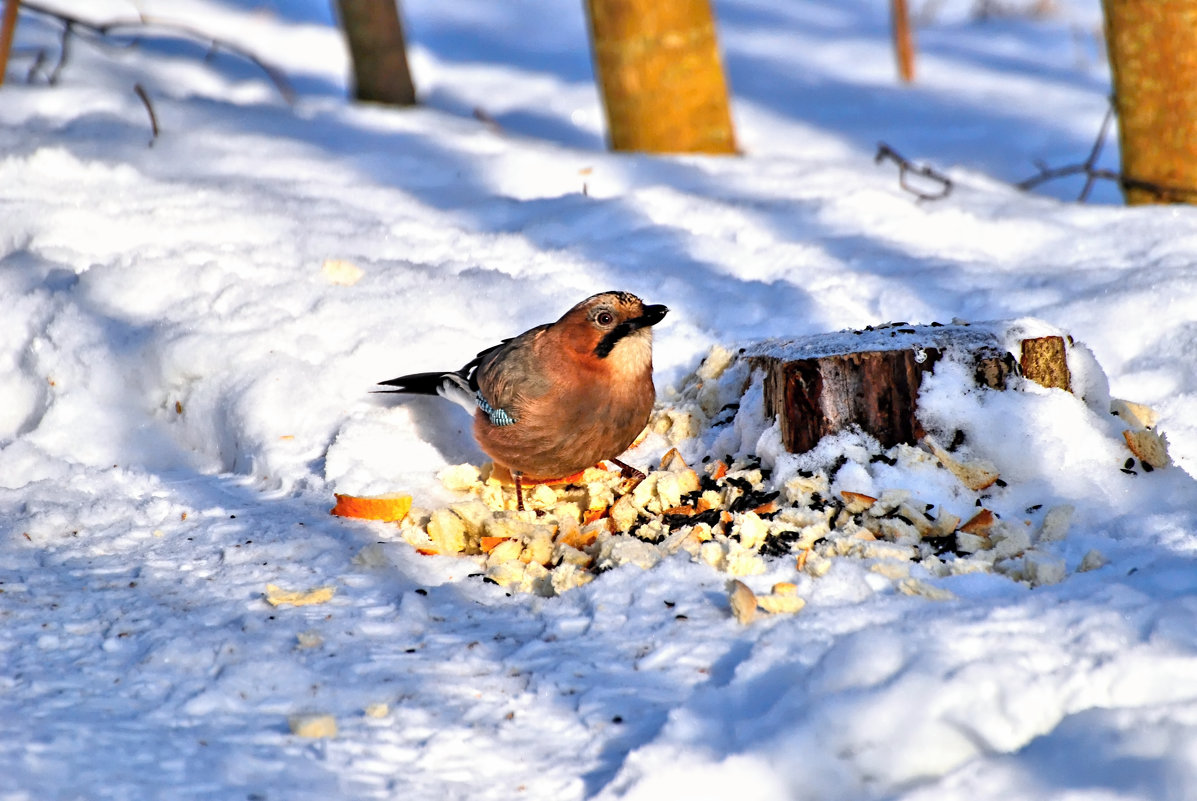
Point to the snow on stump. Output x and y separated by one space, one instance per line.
822 384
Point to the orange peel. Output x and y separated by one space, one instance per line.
388 508
488 544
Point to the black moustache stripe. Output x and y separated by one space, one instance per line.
607 343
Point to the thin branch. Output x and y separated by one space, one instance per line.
906 168
1088 167
1093 173
149 108
38 60
64 51
136 27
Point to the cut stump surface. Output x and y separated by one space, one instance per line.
822 384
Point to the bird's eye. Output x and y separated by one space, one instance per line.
604 318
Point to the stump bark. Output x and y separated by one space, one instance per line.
823 384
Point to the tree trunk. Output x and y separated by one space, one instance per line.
7 28
903 39
659 73
821 385
375 37
1153 55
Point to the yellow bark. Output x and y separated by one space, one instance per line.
903 40
7 27
1153 55
661 79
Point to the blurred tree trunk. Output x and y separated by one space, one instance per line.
7 28
903 39
1153 55
375 36
660 76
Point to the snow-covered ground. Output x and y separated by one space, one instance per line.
184 385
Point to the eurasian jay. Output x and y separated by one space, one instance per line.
562 396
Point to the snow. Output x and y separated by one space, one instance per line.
186 384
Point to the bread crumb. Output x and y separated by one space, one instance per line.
309 639
1056 523
742 601
913 586
277 596
780 604
1093 560
1148 447
313 726
459 477
340 272
976 475
447 532
891 569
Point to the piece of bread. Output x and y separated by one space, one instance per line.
1148 447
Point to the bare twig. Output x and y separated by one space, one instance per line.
927 13
136 27
483 116
38 60
990 9
1093 173
1088 167
149 108
64 51
942 185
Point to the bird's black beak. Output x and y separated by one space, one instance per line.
651 316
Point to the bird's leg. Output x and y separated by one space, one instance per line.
627 471
519 490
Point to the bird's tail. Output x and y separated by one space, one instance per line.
415 384
452 386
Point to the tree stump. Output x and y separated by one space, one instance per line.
825 383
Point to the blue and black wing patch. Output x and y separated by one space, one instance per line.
498 417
